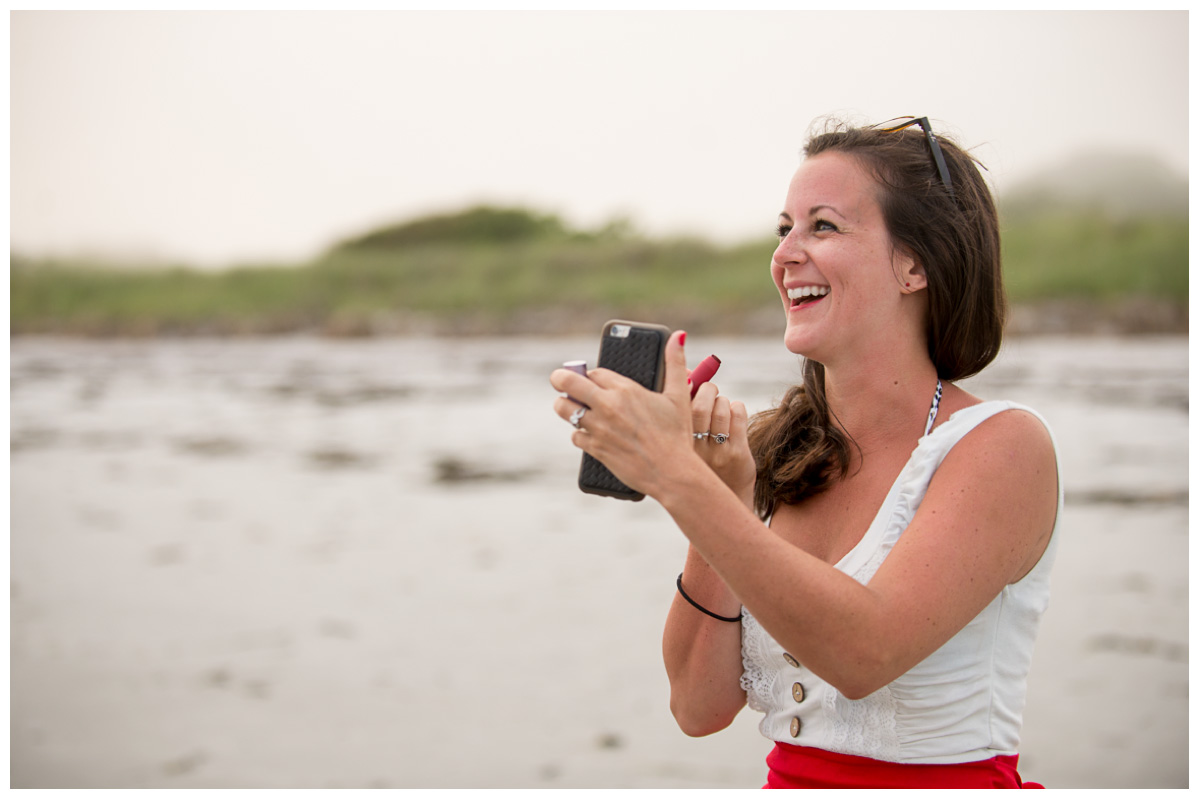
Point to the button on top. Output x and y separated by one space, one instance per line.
788 658
795 727
798 692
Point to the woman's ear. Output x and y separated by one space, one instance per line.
909 272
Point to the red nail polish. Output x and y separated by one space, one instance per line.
682 338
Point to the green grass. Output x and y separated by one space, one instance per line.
1090 258
494 270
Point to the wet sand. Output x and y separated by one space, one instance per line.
304 563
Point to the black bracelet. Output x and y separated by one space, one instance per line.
679 585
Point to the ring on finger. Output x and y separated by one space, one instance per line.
720 438
700 435
576 416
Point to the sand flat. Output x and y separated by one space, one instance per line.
238 564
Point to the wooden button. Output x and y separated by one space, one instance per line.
798 692
795 727
788 658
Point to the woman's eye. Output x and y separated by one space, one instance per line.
824 225
782 231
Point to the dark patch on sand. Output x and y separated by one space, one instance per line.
211 446
334 458
454 470
338 398
185 764
1139 645
1127 497
33 439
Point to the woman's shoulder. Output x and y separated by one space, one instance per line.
1001 467
999 418
1010 425
981 437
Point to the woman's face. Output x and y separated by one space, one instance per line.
839 278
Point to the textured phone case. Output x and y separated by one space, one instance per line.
638 356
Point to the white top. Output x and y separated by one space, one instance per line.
962 703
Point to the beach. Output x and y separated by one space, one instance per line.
312 563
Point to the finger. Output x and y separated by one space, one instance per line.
676 385
739 422
566 408
580 388
581 439
608 379
721 416
706 394
702 408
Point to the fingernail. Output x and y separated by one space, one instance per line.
579 368
682 338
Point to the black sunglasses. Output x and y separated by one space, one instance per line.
900 123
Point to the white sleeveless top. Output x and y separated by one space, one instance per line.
962 703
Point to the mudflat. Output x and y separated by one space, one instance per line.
300 562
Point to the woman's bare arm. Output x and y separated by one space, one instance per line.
984 522
703 656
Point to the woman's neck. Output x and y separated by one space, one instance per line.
883 403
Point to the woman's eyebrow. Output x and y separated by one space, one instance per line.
812 211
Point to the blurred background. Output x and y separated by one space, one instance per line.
289 505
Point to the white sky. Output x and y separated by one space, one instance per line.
228 137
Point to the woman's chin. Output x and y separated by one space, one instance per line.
797 341
804 323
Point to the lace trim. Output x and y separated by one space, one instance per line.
758 676
865 727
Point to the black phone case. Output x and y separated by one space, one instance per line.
637 353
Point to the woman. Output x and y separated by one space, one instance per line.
869 560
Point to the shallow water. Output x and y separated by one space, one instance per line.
312 563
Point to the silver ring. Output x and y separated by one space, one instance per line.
700 435
576 416
720 438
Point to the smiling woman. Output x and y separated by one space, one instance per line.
953 283
869 561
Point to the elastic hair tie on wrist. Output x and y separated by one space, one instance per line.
679 586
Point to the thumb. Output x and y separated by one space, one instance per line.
675 382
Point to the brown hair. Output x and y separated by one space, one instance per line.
956 238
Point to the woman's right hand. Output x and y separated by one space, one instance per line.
731 460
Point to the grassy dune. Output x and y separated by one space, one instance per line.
489 270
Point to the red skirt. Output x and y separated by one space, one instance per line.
793 767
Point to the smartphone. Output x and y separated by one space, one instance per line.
636 350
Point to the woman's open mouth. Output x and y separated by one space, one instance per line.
806 295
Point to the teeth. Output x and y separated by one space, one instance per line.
807 291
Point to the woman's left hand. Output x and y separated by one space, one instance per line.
643 437
723 443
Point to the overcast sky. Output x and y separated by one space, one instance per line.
217 138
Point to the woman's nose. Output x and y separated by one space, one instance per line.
788 251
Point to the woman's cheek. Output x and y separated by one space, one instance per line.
777 276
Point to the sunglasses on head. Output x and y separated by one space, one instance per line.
900 123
